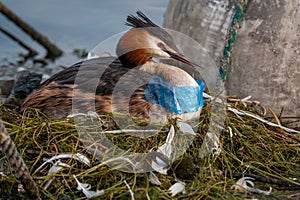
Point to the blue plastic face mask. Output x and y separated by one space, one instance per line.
175 99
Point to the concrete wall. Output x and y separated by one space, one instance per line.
266 56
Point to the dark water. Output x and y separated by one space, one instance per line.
69 24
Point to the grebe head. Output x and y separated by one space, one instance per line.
145 41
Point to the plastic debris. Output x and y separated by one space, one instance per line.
153 179
160 165
81 158
58 165
177 188
85 187
242 185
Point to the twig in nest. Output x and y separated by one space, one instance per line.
246 101
276 134
240 112
57 147
275 116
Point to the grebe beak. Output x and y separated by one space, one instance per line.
181 58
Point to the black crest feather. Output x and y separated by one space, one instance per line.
139 21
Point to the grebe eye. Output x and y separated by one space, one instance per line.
161 45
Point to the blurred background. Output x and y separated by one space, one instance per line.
70 25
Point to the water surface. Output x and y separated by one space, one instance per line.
69 24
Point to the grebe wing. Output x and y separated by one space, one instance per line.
89 69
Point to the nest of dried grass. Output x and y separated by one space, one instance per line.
248 147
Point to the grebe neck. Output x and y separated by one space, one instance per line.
169 73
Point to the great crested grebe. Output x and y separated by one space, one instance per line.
170 88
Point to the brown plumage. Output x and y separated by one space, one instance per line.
135 49
54 97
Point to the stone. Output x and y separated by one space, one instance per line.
265 57
25 83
